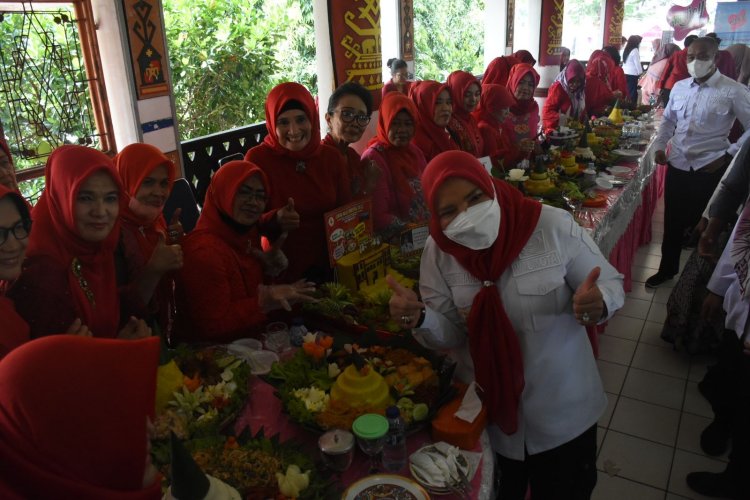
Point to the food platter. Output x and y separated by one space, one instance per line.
466 464
596 201
382 486
627 153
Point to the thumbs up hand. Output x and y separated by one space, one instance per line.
405 307
288 216
165 257
274 261
588 303
175 230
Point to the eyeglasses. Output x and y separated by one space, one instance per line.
20 231
252 195
349 116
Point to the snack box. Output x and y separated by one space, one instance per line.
447 427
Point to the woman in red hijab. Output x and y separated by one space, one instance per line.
221 294
522 124
397 199
15 225
7 170
149 249
493 109
465 93
69 274
435 107
599 90
566 96
304 176
73 419
498 70
525 57
507 286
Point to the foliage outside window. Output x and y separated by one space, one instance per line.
448 35
226 55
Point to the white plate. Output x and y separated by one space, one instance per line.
632 153
603 184
254 344
640 142
619 169
385 486
260 361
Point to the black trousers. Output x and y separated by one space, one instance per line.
632 81
686 194
567 472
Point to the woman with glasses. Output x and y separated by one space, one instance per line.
221 295
349 110
15 224
522 123
399 77
397 199
435 108
465 92
306 179
69 282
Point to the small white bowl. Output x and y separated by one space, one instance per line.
254 344
603 184
261 361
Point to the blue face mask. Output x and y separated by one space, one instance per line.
477 227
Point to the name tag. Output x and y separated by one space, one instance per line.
526 266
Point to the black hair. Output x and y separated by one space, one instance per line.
613 53
22 207
708 40
690 39
292 104
395 64
633 43
350 88
715 37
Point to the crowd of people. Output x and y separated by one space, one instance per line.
508 286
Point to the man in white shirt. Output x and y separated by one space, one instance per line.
696 122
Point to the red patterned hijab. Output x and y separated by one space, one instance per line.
494 346
279 96
56 237
424 95
134 164
600 66
73 416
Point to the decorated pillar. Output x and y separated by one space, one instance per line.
406 32
614 13
538 29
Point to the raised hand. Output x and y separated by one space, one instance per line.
134 329
288 216
404 306
174 230
273 260
588 303
274 296
78 328
165 257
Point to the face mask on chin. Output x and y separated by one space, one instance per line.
476 228
699 69
148 213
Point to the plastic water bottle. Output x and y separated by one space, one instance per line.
394 450
296 332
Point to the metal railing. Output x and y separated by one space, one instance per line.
201 156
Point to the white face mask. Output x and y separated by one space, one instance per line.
477 227
698 69
146 212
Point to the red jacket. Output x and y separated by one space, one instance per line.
217 290
322 185
499 146
15 331
598 96
618 80
675 70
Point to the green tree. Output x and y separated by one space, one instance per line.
448 35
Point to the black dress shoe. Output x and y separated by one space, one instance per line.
715 439
657 279
712 484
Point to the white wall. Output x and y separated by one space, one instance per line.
495 29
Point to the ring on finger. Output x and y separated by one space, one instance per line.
406 319
585 317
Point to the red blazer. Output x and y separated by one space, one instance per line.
217 290
15 331
598 96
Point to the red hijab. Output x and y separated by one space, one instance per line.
517 73
498 69
600 66
494 346
494 98
524 56
401 161
4 146
55 237
15 331
73 418
279 96
218 206
430 136
134 164
459 82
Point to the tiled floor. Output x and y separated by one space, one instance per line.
649 435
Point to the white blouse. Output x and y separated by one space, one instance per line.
632 65
563 395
